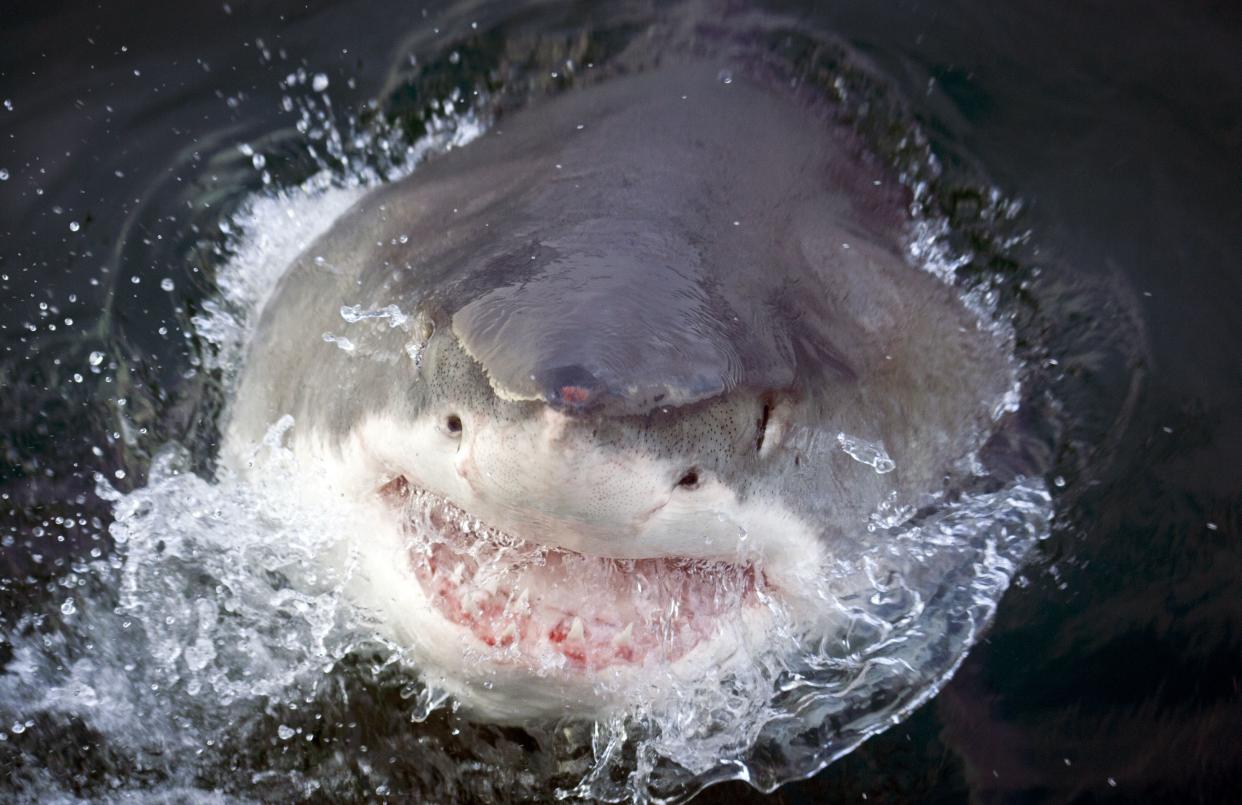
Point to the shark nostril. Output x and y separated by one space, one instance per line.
690 480
453 424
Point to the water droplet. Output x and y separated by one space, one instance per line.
319 83
8 104
1058 482
340 340
285 732
18 728
74 226
68 608
872 454
258 160
95 358
167 284
725 76
355 313
415 352
4 175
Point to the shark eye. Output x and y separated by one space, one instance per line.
690 480
453 424
762 423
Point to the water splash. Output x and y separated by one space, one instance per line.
219 624
217 648
872 454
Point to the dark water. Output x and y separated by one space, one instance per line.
1112 670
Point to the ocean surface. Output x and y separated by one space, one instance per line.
131 132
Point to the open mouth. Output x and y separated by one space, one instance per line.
552 607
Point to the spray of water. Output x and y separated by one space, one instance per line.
220 648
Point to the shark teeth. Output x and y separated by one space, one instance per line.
522 602
489 582
534 603
508 634
474 602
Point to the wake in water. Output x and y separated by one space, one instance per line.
215 648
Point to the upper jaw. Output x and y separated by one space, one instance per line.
715 527
711 523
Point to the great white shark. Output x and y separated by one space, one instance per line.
613 378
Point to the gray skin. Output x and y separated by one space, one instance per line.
658 293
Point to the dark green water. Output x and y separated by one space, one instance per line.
1112 670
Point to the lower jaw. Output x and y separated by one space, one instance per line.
515 631
493 686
